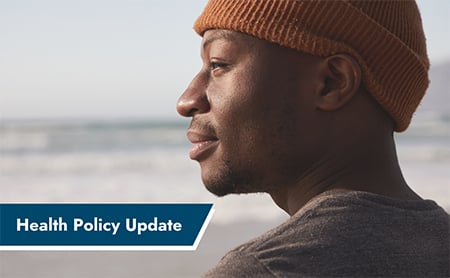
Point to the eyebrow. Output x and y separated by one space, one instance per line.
222 35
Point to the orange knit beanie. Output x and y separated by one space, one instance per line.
385 37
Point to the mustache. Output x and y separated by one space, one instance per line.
202 126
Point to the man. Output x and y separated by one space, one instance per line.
300 99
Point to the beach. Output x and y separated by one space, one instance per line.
147 162
217 240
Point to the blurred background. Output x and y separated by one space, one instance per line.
87 114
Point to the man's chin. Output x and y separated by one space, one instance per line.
223 181
220 190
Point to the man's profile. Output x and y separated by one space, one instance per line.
300 99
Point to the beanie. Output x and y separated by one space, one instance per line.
385 37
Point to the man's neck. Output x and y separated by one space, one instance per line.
371 168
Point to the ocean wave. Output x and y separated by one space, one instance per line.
101 163
89 137
31 141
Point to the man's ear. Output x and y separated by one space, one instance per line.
341 76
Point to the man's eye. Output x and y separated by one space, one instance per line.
216 65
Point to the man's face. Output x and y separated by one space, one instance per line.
253 112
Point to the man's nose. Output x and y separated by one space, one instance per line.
194 99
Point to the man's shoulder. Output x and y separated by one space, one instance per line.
240 262
332 216
339 232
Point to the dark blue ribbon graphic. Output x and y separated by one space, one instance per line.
144 226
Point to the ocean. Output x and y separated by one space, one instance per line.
147 161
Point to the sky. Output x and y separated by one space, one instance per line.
118 59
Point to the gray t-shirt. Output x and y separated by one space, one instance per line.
350 234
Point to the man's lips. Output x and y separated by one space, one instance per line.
203 144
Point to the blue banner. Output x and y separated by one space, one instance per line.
103 226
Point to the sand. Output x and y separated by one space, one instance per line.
217 239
